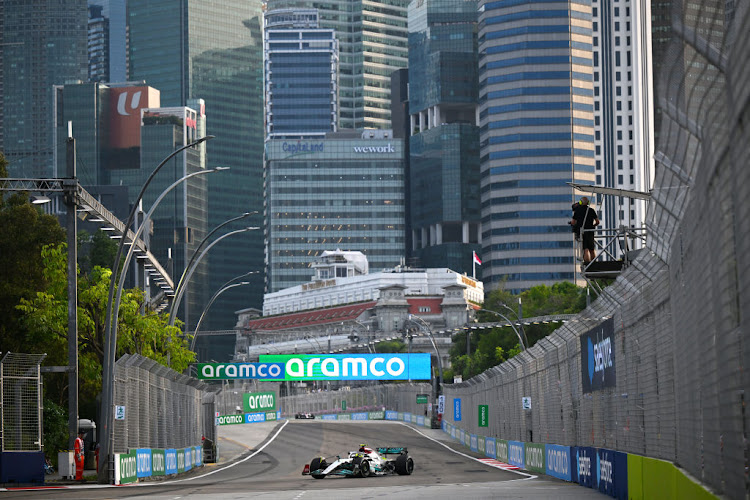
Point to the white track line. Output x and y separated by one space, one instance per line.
498 465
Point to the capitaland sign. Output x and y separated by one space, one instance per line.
229 371
388 148
302 147
352 366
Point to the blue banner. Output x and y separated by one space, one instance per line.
473 443
188 458
456 409
391 415
170 461
489 447
515 454
558 461
621 475
598 357
420 420
605 471
232 371
255 417
198 456
586 465
359 416
143 462
328 417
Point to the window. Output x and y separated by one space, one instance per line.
619 164
619 120
618 76
617 41
619 149
632 179
618 89
619 179
599 179
619 135
425 309
619 105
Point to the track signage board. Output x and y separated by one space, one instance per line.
259 401
302 367
422 399
483 413
598 357
232 371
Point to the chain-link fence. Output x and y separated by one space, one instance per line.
156 407
21 403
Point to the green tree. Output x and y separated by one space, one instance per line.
45 318
24 230
491 347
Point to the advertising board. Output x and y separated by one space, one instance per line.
302 367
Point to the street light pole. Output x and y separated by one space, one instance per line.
203 314
108 363
173 309
510 323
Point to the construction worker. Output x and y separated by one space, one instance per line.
78 449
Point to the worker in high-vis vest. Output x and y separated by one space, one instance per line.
78 450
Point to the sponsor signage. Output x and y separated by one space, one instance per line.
605 471
328 417
270 416
483 415
359 416
158 462
180 460
344 417
473 442
230 371
127 467
302 147
490 448
441 404
516 454
126 104
386 148
259 401
456 409
251 418
534 457
188 458
376 415
558 463
598 357
502 450
143 461
422 399
170 461
343 405
586 465
352 366
230 419
480 444
391 415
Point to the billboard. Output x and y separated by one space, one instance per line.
231 371
126 104
598 357
259 401
352 366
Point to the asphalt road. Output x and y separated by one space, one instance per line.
273 471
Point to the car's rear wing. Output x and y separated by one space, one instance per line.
391 450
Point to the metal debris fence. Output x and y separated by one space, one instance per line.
21 402
156 407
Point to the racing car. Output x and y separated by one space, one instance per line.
363 463
304 415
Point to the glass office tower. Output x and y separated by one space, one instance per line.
43 44
444 141
373 43
344 192
537 133
301 72
213 51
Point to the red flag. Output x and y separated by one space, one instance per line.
477 260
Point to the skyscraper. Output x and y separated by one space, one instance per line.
623 108
444 141
213 51
372 37
301 72
42 44
98 45
536 112
122 133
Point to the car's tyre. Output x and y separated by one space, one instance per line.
404 465
318 463
364 468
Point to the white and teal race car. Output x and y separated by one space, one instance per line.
364 462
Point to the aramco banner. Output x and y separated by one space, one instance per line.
598 357
229 371
353 366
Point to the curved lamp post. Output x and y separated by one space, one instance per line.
109 351
129 256
181 291
520 339
208 306
173 309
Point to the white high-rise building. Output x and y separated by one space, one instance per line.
623 108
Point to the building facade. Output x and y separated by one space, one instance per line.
43 44
122 133
345 191
300 75
213 51
536 111
373 43
98 45
444 137
623 108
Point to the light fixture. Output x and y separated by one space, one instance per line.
39 199
107 228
